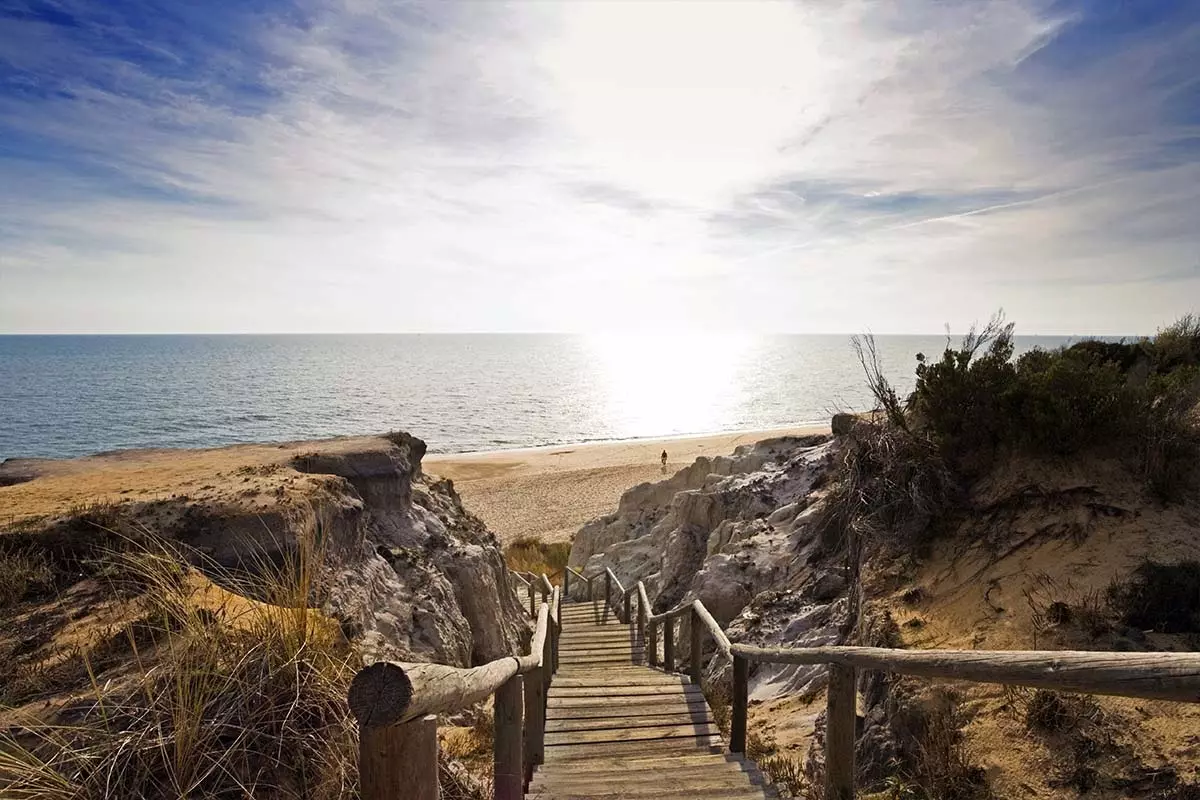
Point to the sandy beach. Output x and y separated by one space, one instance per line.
549 492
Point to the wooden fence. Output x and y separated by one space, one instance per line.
396 704
1156 676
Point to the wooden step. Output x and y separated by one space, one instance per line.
626 710
617 729
633 734
668 776
641 763
576 681
601 792
710 744
623 722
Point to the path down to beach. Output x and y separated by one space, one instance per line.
616 728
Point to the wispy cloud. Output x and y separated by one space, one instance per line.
363 165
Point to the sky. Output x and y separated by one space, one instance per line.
809 166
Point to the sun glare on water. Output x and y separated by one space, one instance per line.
660 384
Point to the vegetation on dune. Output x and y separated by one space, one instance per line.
906 467
23 572
196 698
911 472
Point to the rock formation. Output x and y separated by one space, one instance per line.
407 572
737 533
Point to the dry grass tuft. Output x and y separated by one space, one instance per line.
22 573
530 554
237 700
783 770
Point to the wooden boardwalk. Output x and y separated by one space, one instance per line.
618 729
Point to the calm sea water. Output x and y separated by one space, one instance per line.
73 395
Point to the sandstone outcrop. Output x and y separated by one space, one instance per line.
406 570
737 533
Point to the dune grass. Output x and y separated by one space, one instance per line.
223 698
530 554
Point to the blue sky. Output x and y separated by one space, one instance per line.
814 166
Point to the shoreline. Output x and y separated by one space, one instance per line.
550 491
816 427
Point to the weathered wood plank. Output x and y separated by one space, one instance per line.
645 762
738 711
399 755
607 723
599 793
693 779
507 761
1159 676
632 734
840 719
566 692
615 682
571 753
625 710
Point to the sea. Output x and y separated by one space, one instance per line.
63 396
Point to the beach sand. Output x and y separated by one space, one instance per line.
550 492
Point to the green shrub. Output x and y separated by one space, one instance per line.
975 402
1138 398
964 399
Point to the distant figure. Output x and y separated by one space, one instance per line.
664 461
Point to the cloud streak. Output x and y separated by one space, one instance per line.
814 166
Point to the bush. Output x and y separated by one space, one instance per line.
1137 397
1161 597
893 485
1052 712
904 469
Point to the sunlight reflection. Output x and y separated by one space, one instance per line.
659 384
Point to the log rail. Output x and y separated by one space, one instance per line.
396 706
1155 676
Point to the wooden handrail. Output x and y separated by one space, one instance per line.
389 693
395 704
1157 676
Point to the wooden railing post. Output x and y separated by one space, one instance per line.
555 630
741 691
405 755
535 722
641 628
628 607
669 644
532 602
652 645
507 766
566 592
694 646
840 719
607 591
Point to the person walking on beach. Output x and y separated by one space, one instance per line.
664 461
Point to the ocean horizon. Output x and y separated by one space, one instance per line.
71 395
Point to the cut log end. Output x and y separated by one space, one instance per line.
380 695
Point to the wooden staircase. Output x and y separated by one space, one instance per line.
618 729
